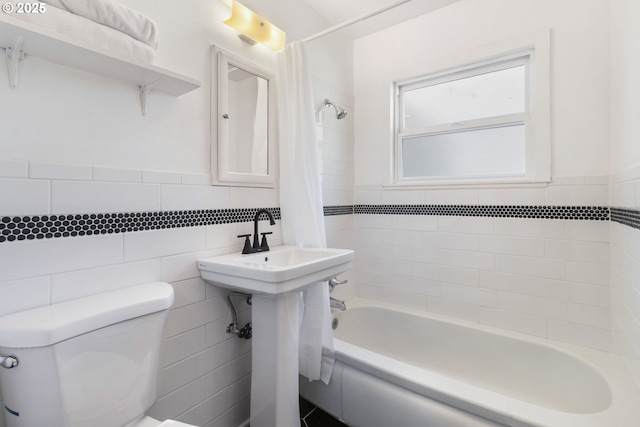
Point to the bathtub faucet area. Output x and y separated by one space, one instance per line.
336 303
333 302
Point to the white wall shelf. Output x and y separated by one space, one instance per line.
22 39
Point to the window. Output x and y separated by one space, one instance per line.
472 124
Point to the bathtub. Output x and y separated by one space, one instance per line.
396 367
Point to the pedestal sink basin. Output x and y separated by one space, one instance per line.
281 270
274 278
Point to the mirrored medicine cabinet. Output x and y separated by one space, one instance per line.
243 146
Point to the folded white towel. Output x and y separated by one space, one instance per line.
114 15
86 30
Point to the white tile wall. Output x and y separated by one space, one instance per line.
625 271
548 278
205 375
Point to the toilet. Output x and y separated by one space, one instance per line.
88 362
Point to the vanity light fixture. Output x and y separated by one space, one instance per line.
253 28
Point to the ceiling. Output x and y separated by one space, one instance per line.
339 11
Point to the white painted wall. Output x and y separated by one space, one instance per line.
580 88
73 142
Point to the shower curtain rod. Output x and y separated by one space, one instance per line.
355 20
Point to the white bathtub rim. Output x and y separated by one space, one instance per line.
486 403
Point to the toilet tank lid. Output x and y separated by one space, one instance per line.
51 324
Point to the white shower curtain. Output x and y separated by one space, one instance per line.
301 202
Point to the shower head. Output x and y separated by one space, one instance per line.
341 113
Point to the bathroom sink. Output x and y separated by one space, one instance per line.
281 270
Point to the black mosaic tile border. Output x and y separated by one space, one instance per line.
338 210
625 216
592 213
19 228
52 226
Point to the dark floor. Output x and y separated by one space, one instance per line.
312 416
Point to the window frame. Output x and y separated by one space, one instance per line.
535 56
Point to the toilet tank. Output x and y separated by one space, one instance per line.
92 361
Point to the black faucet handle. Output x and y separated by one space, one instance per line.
247 243
264 245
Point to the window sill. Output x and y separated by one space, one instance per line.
444 185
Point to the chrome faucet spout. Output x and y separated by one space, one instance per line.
336 303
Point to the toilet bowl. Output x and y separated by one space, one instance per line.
91 361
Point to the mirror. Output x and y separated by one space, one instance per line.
242 116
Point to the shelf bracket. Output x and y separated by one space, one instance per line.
144 98
15 57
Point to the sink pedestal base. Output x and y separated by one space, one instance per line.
274 375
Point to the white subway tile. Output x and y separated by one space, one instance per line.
526 285
584 293
461 276
193 316
404 268
161 177
373 221
210 408
415 253
178 375
598 317
559 290
466 259
529 227
100 197
512 245
593 231
457 309
622 195
504 196
188 292
451 197
584 195
107 174
184 266
530 266
596 274
461 224
417 285
532 305
402 237
24 197
246 197
468 294
196 178
190 197
81 283
55 171
14 168
159 243
184 345
414 222
403 197
405 299
596 180
510 320
365 197
41 257
461 241
587 336
25 294
179 401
